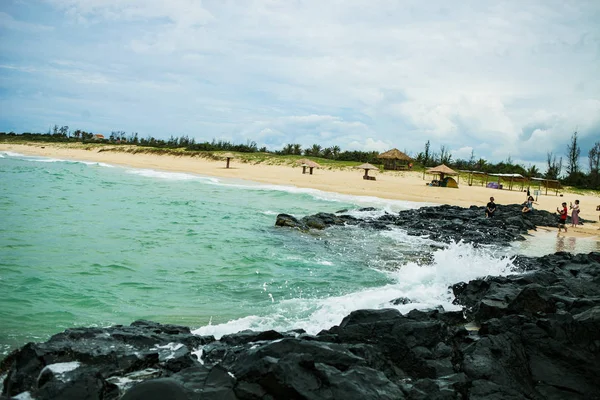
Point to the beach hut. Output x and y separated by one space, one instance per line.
306 163
367 167
228 156
394 159
442 170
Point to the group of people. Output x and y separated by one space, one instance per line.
490 211
562 215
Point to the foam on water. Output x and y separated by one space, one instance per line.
383 205
175 176
427 286
40 159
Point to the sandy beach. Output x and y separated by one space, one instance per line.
409 185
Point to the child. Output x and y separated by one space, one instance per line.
562 219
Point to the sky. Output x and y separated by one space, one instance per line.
509 79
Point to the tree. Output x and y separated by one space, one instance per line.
532 171
594 160
480 164
472 159
288 149
335 151
554 167
315 150
426 154
297 149
445 156
573 152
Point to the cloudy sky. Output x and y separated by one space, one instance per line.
505 79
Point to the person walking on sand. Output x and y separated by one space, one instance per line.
490 209
574 214
562 218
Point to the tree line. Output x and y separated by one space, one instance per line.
568 172
573 174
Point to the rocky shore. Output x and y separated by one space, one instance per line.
532 335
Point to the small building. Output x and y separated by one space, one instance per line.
98 136
395 160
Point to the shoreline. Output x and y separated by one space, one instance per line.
391 185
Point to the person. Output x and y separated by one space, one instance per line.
562 218
528 206
528 192
574 213
490 209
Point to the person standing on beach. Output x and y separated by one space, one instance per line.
574 214
490 209
562 218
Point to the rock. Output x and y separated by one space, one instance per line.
442 223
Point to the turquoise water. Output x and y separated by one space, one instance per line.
88 244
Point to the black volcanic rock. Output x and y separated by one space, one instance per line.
442 223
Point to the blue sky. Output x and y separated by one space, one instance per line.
505 79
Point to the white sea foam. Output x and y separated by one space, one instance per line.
10 154
427 286
383 205
269 212
175 176
24 157
23 396
58 369
170 348
198 353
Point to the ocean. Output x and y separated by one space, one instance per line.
90 244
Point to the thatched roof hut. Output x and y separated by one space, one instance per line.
306 163
395 159
228 156
367 167
442 169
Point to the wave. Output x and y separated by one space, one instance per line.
175 176
24 157
427 286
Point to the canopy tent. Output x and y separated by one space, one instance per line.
395 159
367 167
306 163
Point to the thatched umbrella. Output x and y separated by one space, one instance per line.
390 158
305 162
228 156
442 170
367 167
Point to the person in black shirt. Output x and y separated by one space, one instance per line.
490 209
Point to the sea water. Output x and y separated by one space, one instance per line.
90 244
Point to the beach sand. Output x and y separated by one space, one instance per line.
406 185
